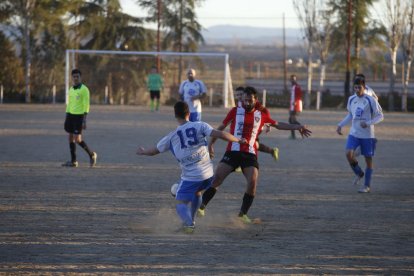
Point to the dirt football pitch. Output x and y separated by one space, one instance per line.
119 217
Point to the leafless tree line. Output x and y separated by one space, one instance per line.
319 20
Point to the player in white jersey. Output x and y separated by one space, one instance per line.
188 143
370 92
192 91
367 91
364 113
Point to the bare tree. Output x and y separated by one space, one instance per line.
394 21
306 11
28 12
407 45
323 37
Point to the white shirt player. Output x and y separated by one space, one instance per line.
188 143
367 91
366 109
189 89
370 92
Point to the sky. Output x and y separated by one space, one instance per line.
255 13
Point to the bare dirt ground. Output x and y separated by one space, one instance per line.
119 217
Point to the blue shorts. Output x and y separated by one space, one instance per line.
367 145
195 116
187 189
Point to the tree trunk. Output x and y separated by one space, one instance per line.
392 79
309 84
405 91
357 50
110 90
322 76
180 44
28 61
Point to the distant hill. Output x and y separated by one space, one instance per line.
230 34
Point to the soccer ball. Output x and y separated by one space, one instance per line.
174 189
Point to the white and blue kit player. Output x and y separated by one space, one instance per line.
192 91
370 92
367 91
364 112
188 143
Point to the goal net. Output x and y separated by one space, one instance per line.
119 77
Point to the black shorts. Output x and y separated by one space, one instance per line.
237 159
154 94
292 117
73 123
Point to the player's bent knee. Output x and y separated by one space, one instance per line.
349 155
217 182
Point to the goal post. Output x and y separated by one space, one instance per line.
123 73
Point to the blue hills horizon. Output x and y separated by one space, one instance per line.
234 34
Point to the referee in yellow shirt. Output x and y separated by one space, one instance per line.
77 108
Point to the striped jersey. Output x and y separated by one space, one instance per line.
78 100
188 143
189 89
246 125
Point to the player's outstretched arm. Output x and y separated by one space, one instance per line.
303 130
213 139
347 119
150 151
227 136
219 133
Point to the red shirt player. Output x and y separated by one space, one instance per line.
245 122
295 106
274 152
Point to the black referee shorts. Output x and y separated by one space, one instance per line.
155 94
73 123
237 159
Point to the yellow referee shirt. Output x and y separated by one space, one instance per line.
78 100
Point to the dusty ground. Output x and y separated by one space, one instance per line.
119 216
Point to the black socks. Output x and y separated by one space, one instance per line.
72 147
207 196
247 202
85 147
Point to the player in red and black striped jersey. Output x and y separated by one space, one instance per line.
274 152
245 121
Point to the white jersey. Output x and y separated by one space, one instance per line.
188 143
189 89
370 92
367 109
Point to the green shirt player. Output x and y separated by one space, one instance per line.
77 108
154 84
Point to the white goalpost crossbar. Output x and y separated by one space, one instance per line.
227 83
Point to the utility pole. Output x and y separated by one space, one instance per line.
28 12
158 34
284 57
348 53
